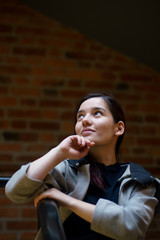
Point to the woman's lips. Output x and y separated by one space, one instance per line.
87 131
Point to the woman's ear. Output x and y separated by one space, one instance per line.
120 128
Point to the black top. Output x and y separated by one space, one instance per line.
78 229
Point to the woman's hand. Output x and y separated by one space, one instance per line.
75 147
82 209
55 194
72 147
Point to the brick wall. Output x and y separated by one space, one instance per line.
44 69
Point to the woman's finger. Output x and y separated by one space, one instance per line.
39 197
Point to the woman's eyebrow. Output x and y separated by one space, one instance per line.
94 108
99 108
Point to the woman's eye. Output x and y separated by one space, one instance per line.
98 113
80 116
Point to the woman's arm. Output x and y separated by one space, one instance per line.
81 208
73 147
130 221
28 181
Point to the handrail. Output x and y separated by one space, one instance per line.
49 220
48 217
3 181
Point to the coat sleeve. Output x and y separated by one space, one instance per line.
22 189
127 221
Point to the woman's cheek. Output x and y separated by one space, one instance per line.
77 129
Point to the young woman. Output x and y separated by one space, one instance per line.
98 197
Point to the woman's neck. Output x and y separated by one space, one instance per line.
103 155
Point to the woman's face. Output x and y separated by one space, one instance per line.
95 122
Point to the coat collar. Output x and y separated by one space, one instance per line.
134 171
77 163
138 174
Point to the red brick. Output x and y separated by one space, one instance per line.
116 67
150 141
12 167
144 161
58 43
53 52
84 64
28 137
150 108
84 74
32 60
74 83
4 49
148 130
50 62
45 126
155 171
49 114
8 39
29 212
135 118
14 60
28 102
155 152
8 101
19 113
6 80
68 127
27 41
40 71
8 236
133 128
54 104
105 85
6 28
26 158
38 148
45 82
18 124
14 9
68 115
47 137
80 55
29 51
152 118
135 78
73 93
132 96
9 212
28 235
20 70
21 225
1 113
21 81
147 88
25 91
33 31
10 147
6 157
152 97
58 73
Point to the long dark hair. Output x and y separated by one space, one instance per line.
118 115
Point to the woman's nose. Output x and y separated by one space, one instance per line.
86 121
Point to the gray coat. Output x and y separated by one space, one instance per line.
129 219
